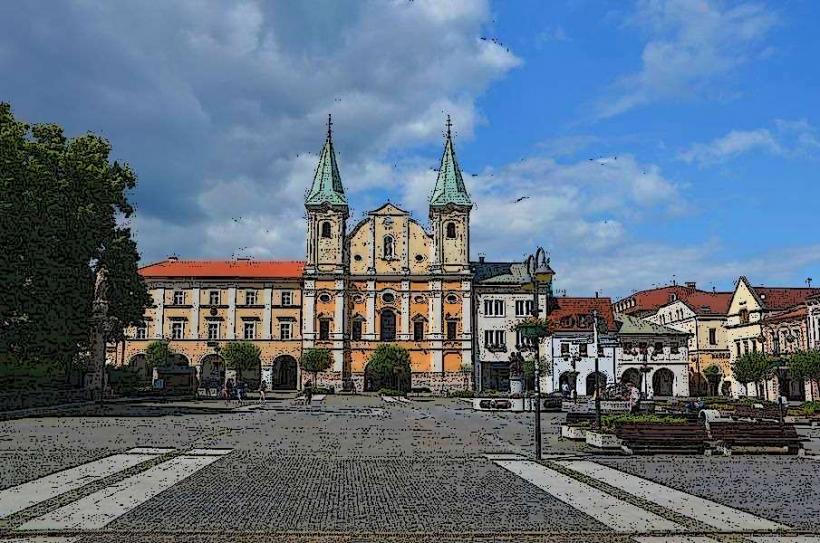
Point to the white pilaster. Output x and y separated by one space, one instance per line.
466 318
404 333
309 313
195 314
159 301
370 325
339 325
435 310
231 331
266 316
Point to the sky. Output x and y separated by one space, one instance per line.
653 140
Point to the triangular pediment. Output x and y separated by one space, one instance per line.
389 209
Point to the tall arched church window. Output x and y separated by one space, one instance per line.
450 228
325 229
389 247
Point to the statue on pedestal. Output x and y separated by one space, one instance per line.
101 327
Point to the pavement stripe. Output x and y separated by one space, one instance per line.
17 498
706 511
388 399
674 539
149 450
98 509
208 452
504 456
785 538
617 514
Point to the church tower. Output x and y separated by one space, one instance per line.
450 207
327 214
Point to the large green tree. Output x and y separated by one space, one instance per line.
315 361
63 214
389 367
752 367
805 365
242 356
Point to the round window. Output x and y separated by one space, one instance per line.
324 297
419 299
357 258
452 298
388 297
419 258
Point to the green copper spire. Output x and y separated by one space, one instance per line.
327 183
450 187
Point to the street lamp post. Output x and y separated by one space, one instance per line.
644 369
597 381
540 272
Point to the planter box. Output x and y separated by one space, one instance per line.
500 404
573 432
602 440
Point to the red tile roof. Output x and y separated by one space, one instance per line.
256 269
783 298
708 303
797 313
572 308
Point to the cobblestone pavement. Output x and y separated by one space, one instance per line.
358 469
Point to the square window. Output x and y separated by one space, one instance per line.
179 297
324 329
712 336
213 330
250 297
177 330
142 332
674 347
658 347
583 349
213 297
250 330
284 330
564 349
357 330
287 297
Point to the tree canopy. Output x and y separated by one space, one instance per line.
63 214
389 367
805 365
242 356
752 367
158 354
315 361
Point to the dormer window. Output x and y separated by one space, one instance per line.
389 247
325 229
450 230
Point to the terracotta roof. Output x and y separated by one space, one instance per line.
708 303
783 298
258 269
653 299
797 313
570 309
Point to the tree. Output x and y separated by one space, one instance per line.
752 367
63 214
158 354
315 361
805 365
241 356
389 367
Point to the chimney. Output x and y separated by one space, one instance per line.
481 258
596 293
691 284
172 258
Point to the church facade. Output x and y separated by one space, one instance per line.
389 280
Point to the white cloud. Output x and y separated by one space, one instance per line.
787 139
693 45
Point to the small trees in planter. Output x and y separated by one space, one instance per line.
315 361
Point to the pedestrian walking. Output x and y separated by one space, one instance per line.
308 392
240 392
262 387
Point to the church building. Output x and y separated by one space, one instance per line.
389 280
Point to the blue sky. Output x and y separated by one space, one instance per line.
700 118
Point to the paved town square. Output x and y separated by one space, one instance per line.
359 468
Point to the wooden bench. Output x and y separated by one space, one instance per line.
768 412
755 435
688 438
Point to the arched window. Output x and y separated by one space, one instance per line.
389 247
450 227
326 229
388 325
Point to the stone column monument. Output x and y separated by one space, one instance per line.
101 327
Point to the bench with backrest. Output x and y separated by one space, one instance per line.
686 437
755 435
767 412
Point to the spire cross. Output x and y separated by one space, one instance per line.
329 125
449 125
